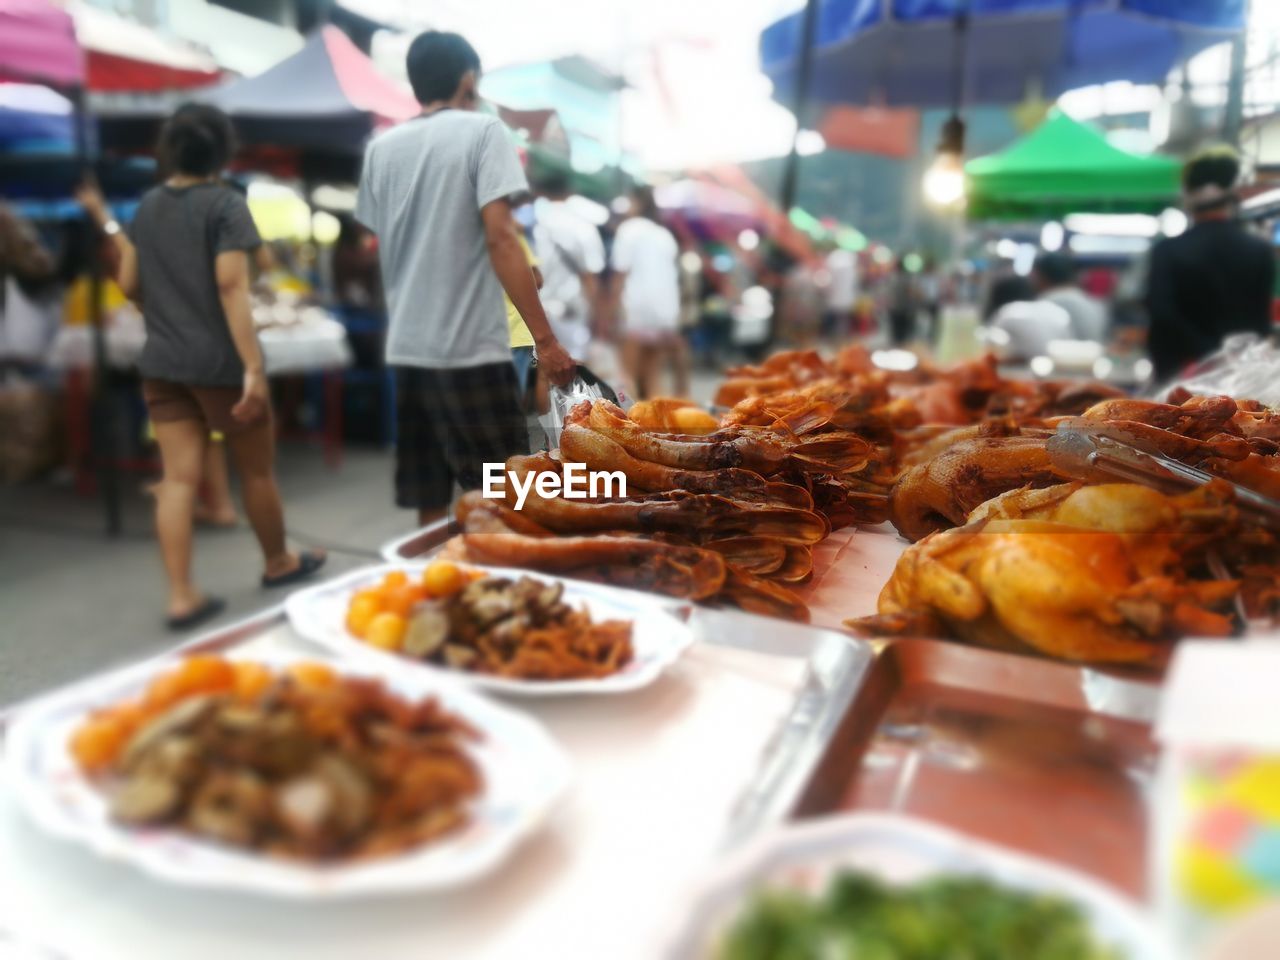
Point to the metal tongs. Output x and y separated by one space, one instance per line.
1099 452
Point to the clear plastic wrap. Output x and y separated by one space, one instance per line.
1247 367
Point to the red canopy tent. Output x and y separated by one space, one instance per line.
124 56
309 115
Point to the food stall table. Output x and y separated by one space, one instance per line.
658 776
953 733
316 346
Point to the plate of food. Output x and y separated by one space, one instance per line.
285 776
506 631
884 885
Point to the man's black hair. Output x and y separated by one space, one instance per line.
643 201
554 183
1219 166
436 64
197 140
1055 269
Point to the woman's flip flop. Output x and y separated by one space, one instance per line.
309 562
211 607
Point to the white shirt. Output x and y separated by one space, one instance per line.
648 254
842 287
567 246
1031 324
1088 315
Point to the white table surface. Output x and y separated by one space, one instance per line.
297 348
657 773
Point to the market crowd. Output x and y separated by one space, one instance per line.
492 302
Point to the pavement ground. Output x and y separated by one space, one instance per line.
74 602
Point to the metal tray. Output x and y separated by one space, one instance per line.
1044 757
1050 759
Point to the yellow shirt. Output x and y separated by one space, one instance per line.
520 335
75 303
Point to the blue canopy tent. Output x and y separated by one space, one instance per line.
903 52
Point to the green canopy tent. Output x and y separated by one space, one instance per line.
1065 167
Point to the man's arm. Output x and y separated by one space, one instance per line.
502 237
232 271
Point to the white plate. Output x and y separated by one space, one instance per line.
658 639
525 773
898 850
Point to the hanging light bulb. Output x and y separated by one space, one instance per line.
944 180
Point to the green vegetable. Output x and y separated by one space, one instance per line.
950 918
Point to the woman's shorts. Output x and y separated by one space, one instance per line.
169 402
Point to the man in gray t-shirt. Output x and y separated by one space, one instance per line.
437 191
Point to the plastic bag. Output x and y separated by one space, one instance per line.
1247 367
585 386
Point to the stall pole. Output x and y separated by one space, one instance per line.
1233 114
804 71
102 430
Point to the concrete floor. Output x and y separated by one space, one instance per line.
73 602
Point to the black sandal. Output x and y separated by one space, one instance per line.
210 608
309 561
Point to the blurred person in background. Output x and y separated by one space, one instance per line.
902 304
1213 280
1054 278
929 285
646 287
437 191
841 292
1006 286
802 309
187 264
1031 325
520 338
691 281
26 271
572 257
356 280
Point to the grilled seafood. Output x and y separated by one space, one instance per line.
1025 401
757 452
677 571
760 450
1254 471
701 515
757 595
1199 417
598 452
648 564
941 492
925 443
758 555
1079 595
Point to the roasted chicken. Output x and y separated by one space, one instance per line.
1093 574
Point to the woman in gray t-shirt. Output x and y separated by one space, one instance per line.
187 265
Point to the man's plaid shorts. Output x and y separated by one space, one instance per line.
449 423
